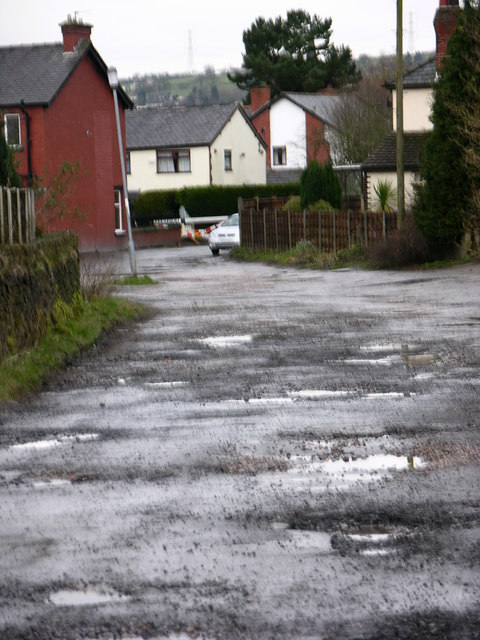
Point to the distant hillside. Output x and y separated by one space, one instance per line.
187 89
210 87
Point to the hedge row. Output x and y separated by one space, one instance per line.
32 278
201 201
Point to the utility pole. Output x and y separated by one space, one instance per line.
400 162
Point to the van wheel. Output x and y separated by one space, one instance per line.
215 252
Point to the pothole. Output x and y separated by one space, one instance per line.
226 341
85 597
50 443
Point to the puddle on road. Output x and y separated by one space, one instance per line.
51 484
350 470
54 442
388 361
318 540
226 341
376 552
166 385
319 394
85 597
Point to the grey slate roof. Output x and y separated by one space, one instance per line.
384 158
36 73
420 77
157 127
283 176
321 106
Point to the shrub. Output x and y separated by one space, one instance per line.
403 248
320 183
385 195
154 205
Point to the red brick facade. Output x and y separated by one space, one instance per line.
446 19
317 147
79 128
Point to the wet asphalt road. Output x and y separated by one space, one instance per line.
275 453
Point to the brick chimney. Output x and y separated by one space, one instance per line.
445 21
74 31
258 97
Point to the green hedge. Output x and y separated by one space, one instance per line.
201 201
32 278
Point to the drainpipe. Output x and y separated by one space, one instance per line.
29 143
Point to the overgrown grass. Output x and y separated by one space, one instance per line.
134 280
307 255
73 329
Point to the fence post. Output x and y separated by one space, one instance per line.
31 215
276 228
366 228
304 225
265 230
384 226
2 221
319 230
349 230
334 232
251 226
9 212
19 216
289 229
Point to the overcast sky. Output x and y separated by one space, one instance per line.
154 36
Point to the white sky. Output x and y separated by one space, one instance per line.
152 36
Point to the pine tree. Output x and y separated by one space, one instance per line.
443 199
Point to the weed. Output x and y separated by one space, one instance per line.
134 280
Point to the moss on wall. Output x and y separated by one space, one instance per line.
32 278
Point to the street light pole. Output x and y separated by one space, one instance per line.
113 81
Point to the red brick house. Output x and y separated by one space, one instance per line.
296 128
58 112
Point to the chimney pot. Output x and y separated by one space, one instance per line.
74 31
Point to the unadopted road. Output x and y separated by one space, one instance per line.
274 453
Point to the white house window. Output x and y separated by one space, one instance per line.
279 155
119 230
228 159
12 129
173 161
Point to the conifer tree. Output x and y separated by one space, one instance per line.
442 206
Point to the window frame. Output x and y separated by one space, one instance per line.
227 160
276 157
118 205
6 118
172 158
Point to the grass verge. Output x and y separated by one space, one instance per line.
73 329
134 280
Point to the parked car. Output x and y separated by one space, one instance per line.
226 235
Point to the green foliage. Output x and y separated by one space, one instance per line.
294 204
293 55
319 182
134 280
154 205
80 325
385 195
441 206
55 195
8 170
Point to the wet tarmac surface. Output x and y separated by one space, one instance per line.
275 453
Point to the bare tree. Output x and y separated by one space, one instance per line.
361 119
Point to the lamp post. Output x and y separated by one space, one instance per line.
113 81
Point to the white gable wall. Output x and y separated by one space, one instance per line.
288 129
248 155
417 106
376 177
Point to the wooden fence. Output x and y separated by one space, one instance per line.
265 226
17 216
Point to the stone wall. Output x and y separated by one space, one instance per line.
32 278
